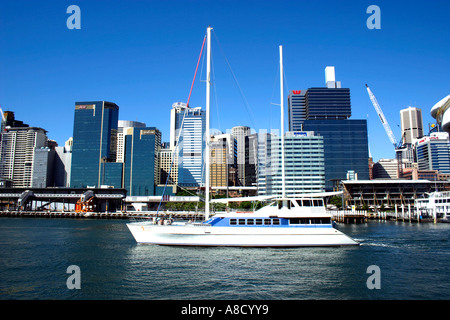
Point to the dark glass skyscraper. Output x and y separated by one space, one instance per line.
326 111
328 104
94 145
141 151
345 148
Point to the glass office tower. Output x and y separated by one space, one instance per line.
345 147
433 152
94 145
326 111
191 146
141 165
304 163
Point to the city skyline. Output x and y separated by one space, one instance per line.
142 55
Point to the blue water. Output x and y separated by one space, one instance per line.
414 262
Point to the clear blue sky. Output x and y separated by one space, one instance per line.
142 56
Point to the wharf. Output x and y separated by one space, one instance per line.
101 215
346 217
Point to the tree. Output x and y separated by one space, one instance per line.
337 201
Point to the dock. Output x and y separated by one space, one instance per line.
339 216
183 215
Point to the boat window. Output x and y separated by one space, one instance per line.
321 221
259 221
233 222
241 222
318 203
280 204
267 222
276 222
299 202
300 221
250 222
307 203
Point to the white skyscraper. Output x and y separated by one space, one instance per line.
411 124
304 163
18 154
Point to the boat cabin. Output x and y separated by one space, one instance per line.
296 212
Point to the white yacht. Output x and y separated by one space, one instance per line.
285 222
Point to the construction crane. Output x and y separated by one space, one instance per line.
397 145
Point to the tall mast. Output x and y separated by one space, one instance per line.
283 179
208 93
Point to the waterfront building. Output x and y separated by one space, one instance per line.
23 151
62 164
433 152
388 193
239 133
141 171
304 163
43 165
411 124
95 145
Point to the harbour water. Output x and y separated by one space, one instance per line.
413 261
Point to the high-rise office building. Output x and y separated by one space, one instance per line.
62 164
239 133
95 145
345 147
411 124
168 165
296 109
223 149
24 156
188 137
141 172
251 159
433 152
176 118
304 164
328 103
326 111
123 125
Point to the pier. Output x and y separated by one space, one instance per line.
341 216
182 215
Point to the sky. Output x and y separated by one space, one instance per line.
142 56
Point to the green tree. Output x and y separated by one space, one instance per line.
337 201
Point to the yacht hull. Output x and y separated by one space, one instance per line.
204 235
